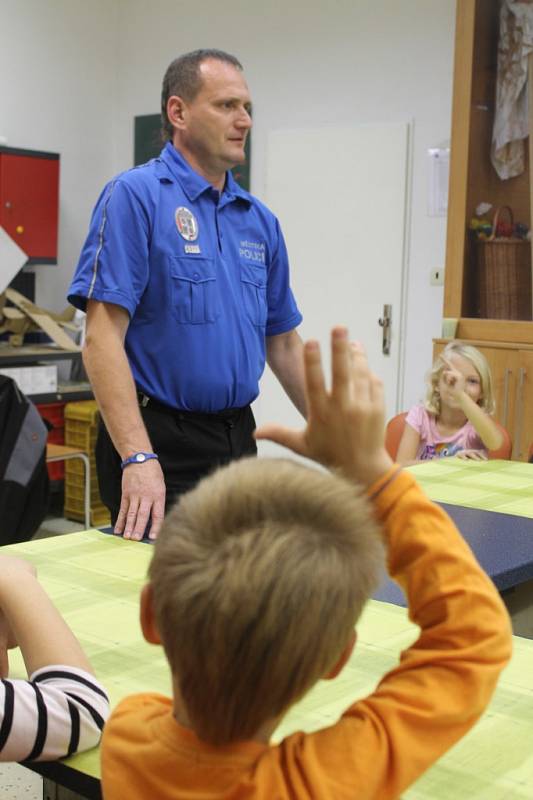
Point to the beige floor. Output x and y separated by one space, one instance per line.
56 526
19 783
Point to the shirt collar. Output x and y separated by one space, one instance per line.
233 191
193 184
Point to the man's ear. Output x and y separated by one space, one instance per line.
342 659
147 617
176 111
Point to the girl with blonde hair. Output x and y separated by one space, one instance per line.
455 419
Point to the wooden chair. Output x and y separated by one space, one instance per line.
394 433
60 452
506 447
396 425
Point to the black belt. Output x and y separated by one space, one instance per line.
148 402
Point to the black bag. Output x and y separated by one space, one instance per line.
24 484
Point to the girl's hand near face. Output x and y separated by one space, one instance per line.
455 381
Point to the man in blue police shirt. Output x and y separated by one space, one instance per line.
185 280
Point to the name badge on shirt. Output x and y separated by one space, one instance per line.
192 248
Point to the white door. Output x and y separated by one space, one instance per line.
340 196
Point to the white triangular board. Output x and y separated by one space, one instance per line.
12 259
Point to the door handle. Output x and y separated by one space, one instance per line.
385 322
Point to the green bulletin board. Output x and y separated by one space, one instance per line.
147 145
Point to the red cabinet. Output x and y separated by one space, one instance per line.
29 201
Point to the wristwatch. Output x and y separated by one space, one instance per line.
138 458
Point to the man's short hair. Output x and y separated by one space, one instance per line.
258 577
183 78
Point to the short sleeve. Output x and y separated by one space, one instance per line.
114 262
415 418
283 313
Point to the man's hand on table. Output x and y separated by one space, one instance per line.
143 499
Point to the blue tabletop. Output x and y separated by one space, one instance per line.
502 543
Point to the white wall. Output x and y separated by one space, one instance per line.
79 73
57 93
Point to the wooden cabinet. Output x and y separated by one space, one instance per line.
29 201
511 366
507 344
473 179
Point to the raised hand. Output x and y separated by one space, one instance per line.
345 426
454 380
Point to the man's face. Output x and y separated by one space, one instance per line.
215 124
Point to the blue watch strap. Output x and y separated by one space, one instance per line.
138 458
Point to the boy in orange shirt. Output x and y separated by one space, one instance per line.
256 583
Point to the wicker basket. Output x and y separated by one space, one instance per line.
504 274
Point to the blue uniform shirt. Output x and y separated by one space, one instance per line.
204 277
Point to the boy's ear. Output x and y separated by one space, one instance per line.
342 659
147 617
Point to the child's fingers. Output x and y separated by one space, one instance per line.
315 386
358 359
450 377
357 348
342 359
361 374
286 437
447 364
377 391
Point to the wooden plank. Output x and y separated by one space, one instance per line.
53 330
496 330
29 353
13 313
530 144
487 343
42 320
457 193
59 451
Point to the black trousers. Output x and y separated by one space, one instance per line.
189 446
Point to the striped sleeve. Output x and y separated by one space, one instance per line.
59 711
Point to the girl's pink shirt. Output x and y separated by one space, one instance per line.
433 444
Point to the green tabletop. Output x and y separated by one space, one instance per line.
504 486
95 580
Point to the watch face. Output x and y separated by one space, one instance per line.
140 457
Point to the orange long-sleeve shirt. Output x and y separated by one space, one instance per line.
382 743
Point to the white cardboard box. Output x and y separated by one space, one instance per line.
38 379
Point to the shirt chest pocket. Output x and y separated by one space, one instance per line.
254 289
194 290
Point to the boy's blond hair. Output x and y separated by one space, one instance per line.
479 362
258 576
